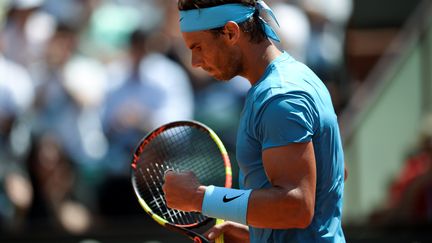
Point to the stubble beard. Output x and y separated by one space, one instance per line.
232 70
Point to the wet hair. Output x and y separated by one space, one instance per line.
252 26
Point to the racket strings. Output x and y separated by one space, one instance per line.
172 214
186 148
158 203
205 162
181 149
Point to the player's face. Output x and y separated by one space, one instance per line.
213 55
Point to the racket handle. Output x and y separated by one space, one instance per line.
220 238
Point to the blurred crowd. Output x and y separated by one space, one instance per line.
81 81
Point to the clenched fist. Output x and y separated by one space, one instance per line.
183 191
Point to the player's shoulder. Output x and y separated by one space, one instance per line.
280 87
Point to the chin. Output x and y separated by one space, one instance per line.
220 76
223 76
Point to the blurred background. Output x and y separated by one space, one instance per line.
81 81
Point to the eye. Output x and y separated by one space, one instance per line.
197 48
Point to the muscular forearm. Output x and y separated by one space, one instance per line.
276 207
279 208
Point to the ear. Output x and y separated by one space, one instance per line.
232 32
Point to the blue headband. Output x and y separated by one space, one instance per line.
218 16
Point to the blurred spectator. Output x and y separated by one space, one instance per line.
219 105
328 22
16 97
70 89
110 24
294 30
22 44
410 196
325 47
167 39
54 179
68 137
151 90
76 13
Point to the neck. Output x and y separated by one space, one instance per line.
256 58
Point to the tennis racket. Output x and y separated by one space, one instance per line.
179 146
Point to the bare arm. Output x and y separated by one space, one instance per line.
290 203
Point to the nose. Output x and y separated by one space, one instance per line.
196 61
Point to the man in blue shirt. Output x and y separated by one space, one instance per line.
289 148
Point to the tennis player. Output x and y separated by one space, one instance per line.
289 149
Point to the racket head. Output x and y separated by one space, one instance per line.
181 146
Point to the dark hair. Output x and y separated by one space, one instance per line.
252 26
